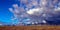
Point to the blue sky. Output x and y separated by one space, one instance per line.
5 14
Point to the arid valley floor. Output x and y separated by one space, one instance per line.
33 27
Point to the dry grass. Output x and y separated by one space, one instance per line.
43 27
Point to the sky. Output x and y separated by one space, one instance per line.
5 14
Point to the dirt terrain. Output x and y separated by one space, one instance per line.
33 27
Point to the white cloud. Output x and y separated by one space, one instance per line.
57 9
44 21
35 10
15 5
34 13
11 10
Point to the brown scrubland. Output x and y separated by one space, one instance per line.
33 27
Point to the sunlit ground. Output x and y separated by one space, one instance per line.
33 27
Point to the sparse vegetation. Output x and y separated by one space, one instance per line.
37 27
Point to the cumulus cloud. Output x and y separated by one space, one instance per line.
35 10
36 14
